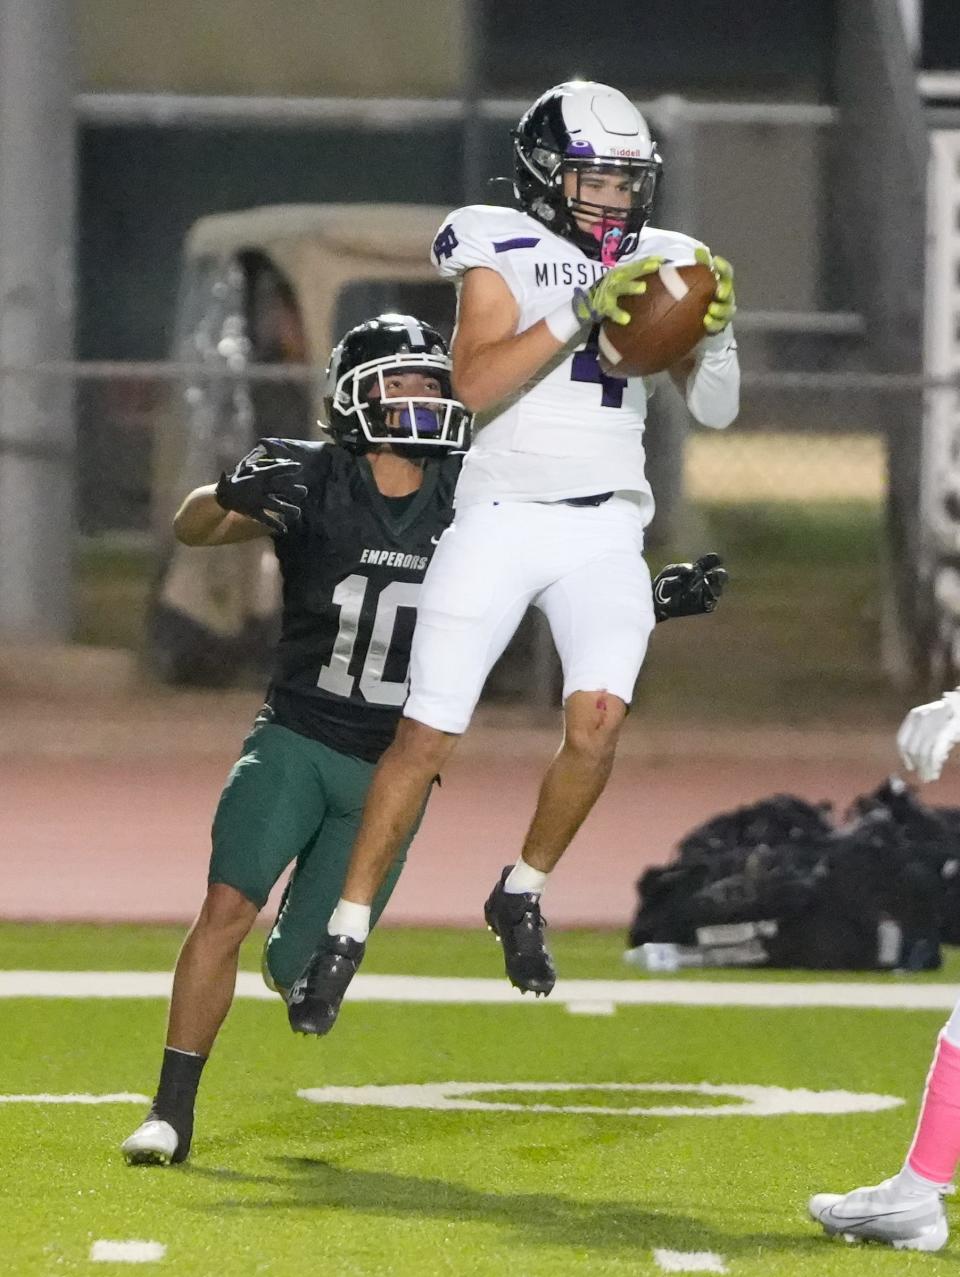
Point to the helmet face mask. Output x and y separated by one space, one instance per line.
578 129
609 225
364 414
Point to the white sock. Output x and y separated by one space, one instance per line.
524 879
350 920
911 1183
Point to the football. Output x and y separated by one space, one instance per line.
666 321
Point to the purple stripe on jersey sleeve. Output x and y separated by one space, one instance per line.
505 245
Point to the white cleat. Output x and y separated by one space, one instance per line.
153 1143
883 1213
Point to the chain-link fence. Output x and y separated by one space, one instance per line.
800 437
795 495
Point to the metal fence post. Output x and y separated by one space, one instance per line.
474 158
37 162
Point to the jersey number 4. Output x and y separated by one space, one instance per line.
585 366
335 677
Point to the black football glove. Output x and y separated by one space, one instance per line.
687 589
263 486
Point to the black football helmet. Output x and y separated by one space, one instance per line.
362 415
575 128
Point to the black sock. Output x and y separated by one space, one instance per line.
177 1093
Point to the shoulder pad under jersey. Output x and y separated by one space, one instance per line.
478 234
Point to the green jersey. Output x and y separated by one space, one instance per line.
352 569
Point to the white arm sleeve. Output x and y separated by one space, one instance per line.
713 388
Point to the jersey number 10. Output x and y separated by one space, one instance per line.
335 677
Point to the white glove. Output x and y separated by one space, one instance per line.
928 733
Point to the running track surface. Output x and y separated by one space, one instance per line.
105 808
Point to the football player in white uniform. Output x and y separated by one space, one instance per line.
551 504
906 1211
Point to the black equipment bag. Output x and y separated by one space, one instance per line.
778 884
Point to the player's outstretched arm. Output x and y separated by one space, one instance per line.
202 520
261 495
928 734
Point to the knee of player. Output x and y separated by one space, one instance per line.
422 748
227 913
592 724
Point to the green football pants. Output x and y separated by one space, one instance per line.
290 798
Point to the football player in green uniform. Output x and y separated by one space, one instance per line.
354 526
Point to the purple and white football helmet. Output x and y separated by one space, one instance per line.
577 127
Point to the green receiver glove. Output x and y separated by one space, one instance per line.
724 305
598 303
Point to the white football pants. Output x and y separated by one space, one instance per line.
582 566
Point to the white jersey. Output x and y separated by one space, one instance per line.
571 430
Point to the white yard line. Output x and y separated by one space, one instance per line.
892 995
689 1261
132 1252
119 1097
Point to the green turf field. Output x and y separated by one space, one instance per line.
280 1185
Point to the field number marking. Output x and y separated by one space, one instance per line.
746 1101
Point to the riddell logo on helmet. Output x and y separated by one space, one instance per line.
628 152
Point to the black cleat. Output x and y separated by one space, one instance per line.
518 924
314 1001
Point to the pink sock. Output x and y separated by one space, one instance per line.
935 1150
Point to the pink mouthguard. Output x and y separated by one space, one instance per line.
608 235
